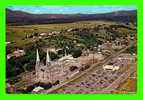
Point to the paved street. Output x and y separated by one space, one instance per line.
77 79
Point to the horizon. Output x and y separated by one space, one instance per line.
70 9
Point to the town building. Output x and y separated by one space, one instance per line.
50 72
16 53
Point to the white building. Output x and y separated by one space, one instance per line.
37 89
110 67
49 72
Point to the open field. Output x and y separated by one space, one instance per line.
17 33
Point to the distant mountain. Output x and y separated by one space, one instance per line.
23 18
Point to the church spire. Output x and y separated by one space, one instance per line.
47 58
37 57
37 64
66 50
48 66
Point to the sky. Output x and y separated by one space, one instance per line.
70 9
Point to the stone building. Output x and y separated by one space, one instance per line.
50 72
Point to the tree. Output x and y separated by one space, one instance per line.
53 56
73 68
76 53
56 83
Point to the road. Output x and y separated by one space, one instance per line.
118 81
82 75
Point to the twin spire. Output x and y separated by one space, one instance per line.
47 58
37 57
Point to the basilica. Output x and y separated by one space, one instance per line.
50 72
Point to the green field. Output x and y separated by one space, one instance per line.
17 33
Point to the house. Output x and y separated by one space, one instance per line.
110 67
43 34
69 30
16 53
37 89
7 43
19 53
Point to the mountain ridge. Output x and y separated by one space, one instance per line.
24 18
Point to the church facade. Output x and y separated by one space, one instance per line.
50 72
